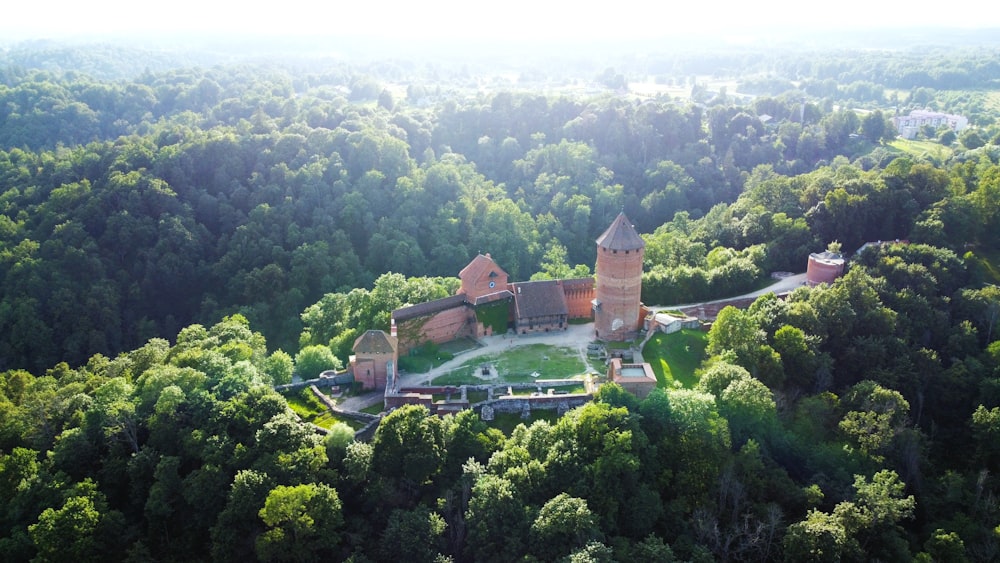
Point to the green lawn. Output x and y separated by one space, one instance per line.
422 359
476 396
506 422
517 364
675 357
315 412
930 149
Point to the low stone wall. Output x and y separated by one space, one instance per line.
368 431
396 400
342 378
543 383
524 404
709 311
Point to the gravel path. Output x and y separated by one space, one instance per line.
781 286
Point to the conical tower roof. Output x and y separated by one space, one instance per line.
621 235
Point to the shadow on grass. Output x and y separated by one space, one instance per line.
675 357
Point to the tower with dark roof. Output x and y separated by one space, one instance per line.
619 281
375 354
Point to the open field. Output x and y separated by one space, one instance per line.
675 357
929 149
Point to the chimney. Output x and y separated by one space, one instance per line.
392 328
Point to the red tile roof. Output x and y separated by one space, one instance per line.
481 265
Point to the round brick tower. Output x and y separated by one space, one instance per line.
619 281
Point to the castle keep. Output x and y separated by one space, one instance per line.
620 249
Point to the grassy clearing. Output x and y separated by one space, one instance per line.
517 364
430 355
313 411
506 422
675 357
374 409
922 149
423 359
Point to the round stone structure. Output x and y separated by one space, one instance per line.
619 281
824 267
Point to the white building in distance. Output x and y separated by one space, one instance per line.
909 125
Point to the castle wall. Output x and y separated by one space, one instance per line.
439 328
579 298
396 400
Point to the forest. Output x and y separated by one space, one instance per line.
179 234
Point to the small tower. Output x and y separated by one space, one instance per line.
619 281
482 277
375 356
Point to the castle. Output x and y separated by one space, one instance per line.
487 302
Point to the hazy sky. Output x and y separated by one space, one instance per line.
461 19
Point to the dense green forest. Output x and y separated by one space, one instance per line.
174 239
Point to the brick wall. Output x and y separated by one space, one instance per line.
579 298
448 325
439 328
